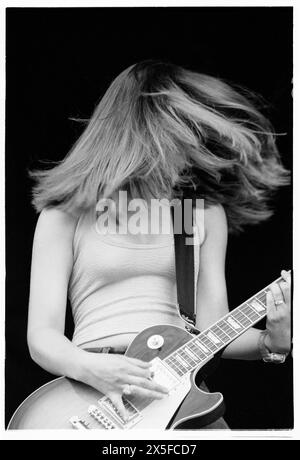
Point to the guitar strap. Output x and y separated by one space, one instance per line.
184 241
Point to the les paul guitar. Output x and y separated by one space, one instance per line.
177 356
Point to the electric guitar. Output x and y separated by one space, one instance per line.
176 355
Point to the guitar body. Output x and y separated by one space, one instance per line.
53 405
174 354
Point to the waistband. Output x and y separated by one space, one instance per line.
117 350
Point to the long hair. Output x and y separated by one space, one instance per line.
160 129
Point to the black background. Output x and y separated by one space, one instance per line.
59 63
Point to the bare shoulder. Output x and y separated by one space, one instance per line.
54 223
215 214
215 220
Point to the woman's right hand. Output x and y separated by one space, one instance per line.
111 374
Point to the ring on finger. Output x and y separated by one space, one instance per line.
278 302
127 390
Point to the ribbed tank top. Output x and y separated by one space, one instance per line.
118 287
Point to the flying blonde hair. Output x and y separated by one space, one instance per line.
161 130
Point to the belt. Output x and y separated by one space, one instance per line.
117 350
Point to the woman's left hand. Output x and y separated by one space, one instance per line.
278 323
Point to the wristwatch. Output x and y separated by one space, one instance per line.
266 354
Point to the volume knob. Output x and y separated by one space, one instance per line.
155 341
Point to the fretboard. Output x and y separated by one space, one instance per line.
215 338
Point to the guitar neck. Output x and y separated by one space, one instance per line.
220 334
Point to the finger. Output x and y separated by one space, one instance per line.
286 276
117 401
139 362
271 309
149 385
276 292
145 393
286 291
138 372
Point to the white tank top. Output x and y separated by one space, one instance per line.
118 288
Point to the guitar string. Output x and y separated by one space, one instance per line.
252 316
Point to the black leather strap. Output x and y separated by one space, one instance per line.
185 265
185 278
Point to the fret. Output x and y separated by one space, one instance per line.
195 349
262 296
184 361
223 324
208 343
228 326
241 317
258 306
213 337
172 365
252 315
234 323
224 330
202 346
254 312
176 367
179 364
220 333
262 300
181 360
249 312
192 355
186 357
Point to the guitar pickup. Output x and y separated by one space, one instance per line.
134 416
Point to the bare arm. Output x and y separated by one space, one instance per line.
212 301
51 267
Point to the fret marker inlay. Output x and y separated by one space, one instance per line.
255 304
201 346
181 360
233 323
190 353
213 337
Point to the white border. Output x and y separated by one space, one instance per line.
153 434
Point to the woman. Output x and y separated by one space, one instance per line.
158 130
